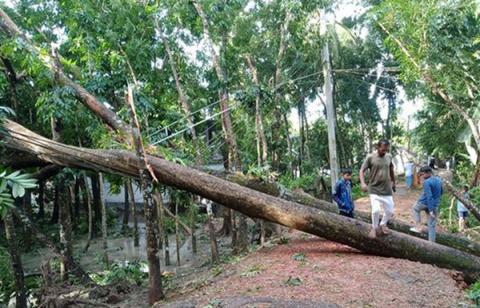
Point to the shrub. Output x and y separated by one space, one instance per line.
131 272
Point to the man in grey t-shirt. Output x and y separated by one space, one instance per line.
381 185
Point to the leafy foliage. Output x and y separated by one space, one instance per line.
132 273
437 48
12 186
474 293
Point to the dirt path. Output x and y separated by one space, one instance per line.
312 272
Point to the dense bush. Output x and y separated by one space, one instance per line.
132 272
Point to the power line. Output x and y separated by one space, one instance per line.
181 119
195 124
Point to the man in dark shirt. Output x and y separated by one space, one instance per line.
428 201
381 185
343 194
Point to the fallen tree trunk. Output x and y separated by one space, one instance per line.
331 226
299 196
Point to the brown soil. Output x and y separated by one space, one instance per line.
312 272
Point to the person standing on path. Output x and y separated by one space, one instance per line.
462 210
381 185
409 174
429 201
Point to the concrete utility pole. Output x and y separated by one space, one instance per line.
328 90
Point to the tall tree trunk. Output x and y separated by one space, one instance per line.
104 220
54 218
260 133
211 232
17 268
331 114
65 230
155 292
157 197
27 206
230 137
306 129
131 196
126 209
301 152
182 97
96 203
41 200
56 128
277 124
289 146
177 234
88 201
330 226
77 194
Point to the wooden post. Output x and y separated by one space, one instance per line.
328 91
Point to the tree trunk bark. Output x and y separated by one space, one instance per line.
131 195
330 226
76 195
211 232
182 98
261 140
289 147
104 220
97 217
155 292
126 209
27 206
17 268
54 218
177 234
88 202
277 124
160 207
65 231
40 200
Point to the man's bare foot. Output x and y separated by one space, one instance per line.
385 230
373 233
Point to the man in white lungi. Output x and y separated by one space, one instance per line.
381 185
